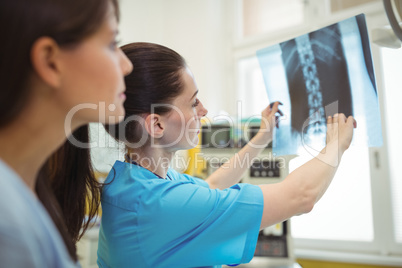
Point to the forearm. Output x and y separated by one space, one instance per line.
301 189
317 174
232 171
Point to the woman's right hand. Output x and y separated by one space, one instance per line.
340 130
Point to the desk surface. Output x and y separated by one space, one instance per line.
261 262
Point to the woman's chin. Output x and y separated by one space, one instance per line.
114 117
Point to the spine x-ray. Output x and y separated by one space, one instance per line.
319 74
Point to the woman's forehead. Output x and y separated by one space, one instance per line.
190 87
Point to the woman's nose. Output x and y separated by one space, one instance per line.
203 111
126 65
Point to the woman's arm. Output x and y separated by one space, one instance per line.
300 190
231 172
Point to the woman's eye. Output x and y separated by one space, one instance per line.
114 44
195 104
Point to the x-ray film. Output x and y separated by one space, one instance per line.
317 75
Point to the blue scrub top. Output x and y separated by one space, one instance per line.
175 222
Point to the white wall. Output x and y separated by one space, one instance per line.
198 30
194 28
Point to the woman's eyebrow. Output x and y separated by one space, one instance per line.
194 95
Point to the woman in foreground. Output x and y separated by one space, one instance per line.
59 64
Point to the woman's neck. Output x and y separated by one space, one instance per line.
156 160
29 140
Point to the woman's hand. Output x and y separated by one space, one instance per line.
230 173
269 119
340 130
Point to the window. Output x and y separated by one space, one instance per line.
350 191
344 212
392 66
104 150
251 90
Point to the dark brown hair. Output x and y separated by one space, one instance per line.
69 171
68 189
156 79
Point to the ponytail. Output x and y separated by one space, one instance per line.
67 187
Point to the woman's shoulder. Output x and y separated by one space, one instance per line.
174 175
28 236
127 184
129 175
14 191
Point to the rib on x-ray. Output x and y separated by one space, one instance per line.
319 74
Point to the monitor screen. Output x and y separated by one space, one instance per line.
217 136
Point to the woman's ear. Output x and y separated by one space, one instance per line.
154 125
44 58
